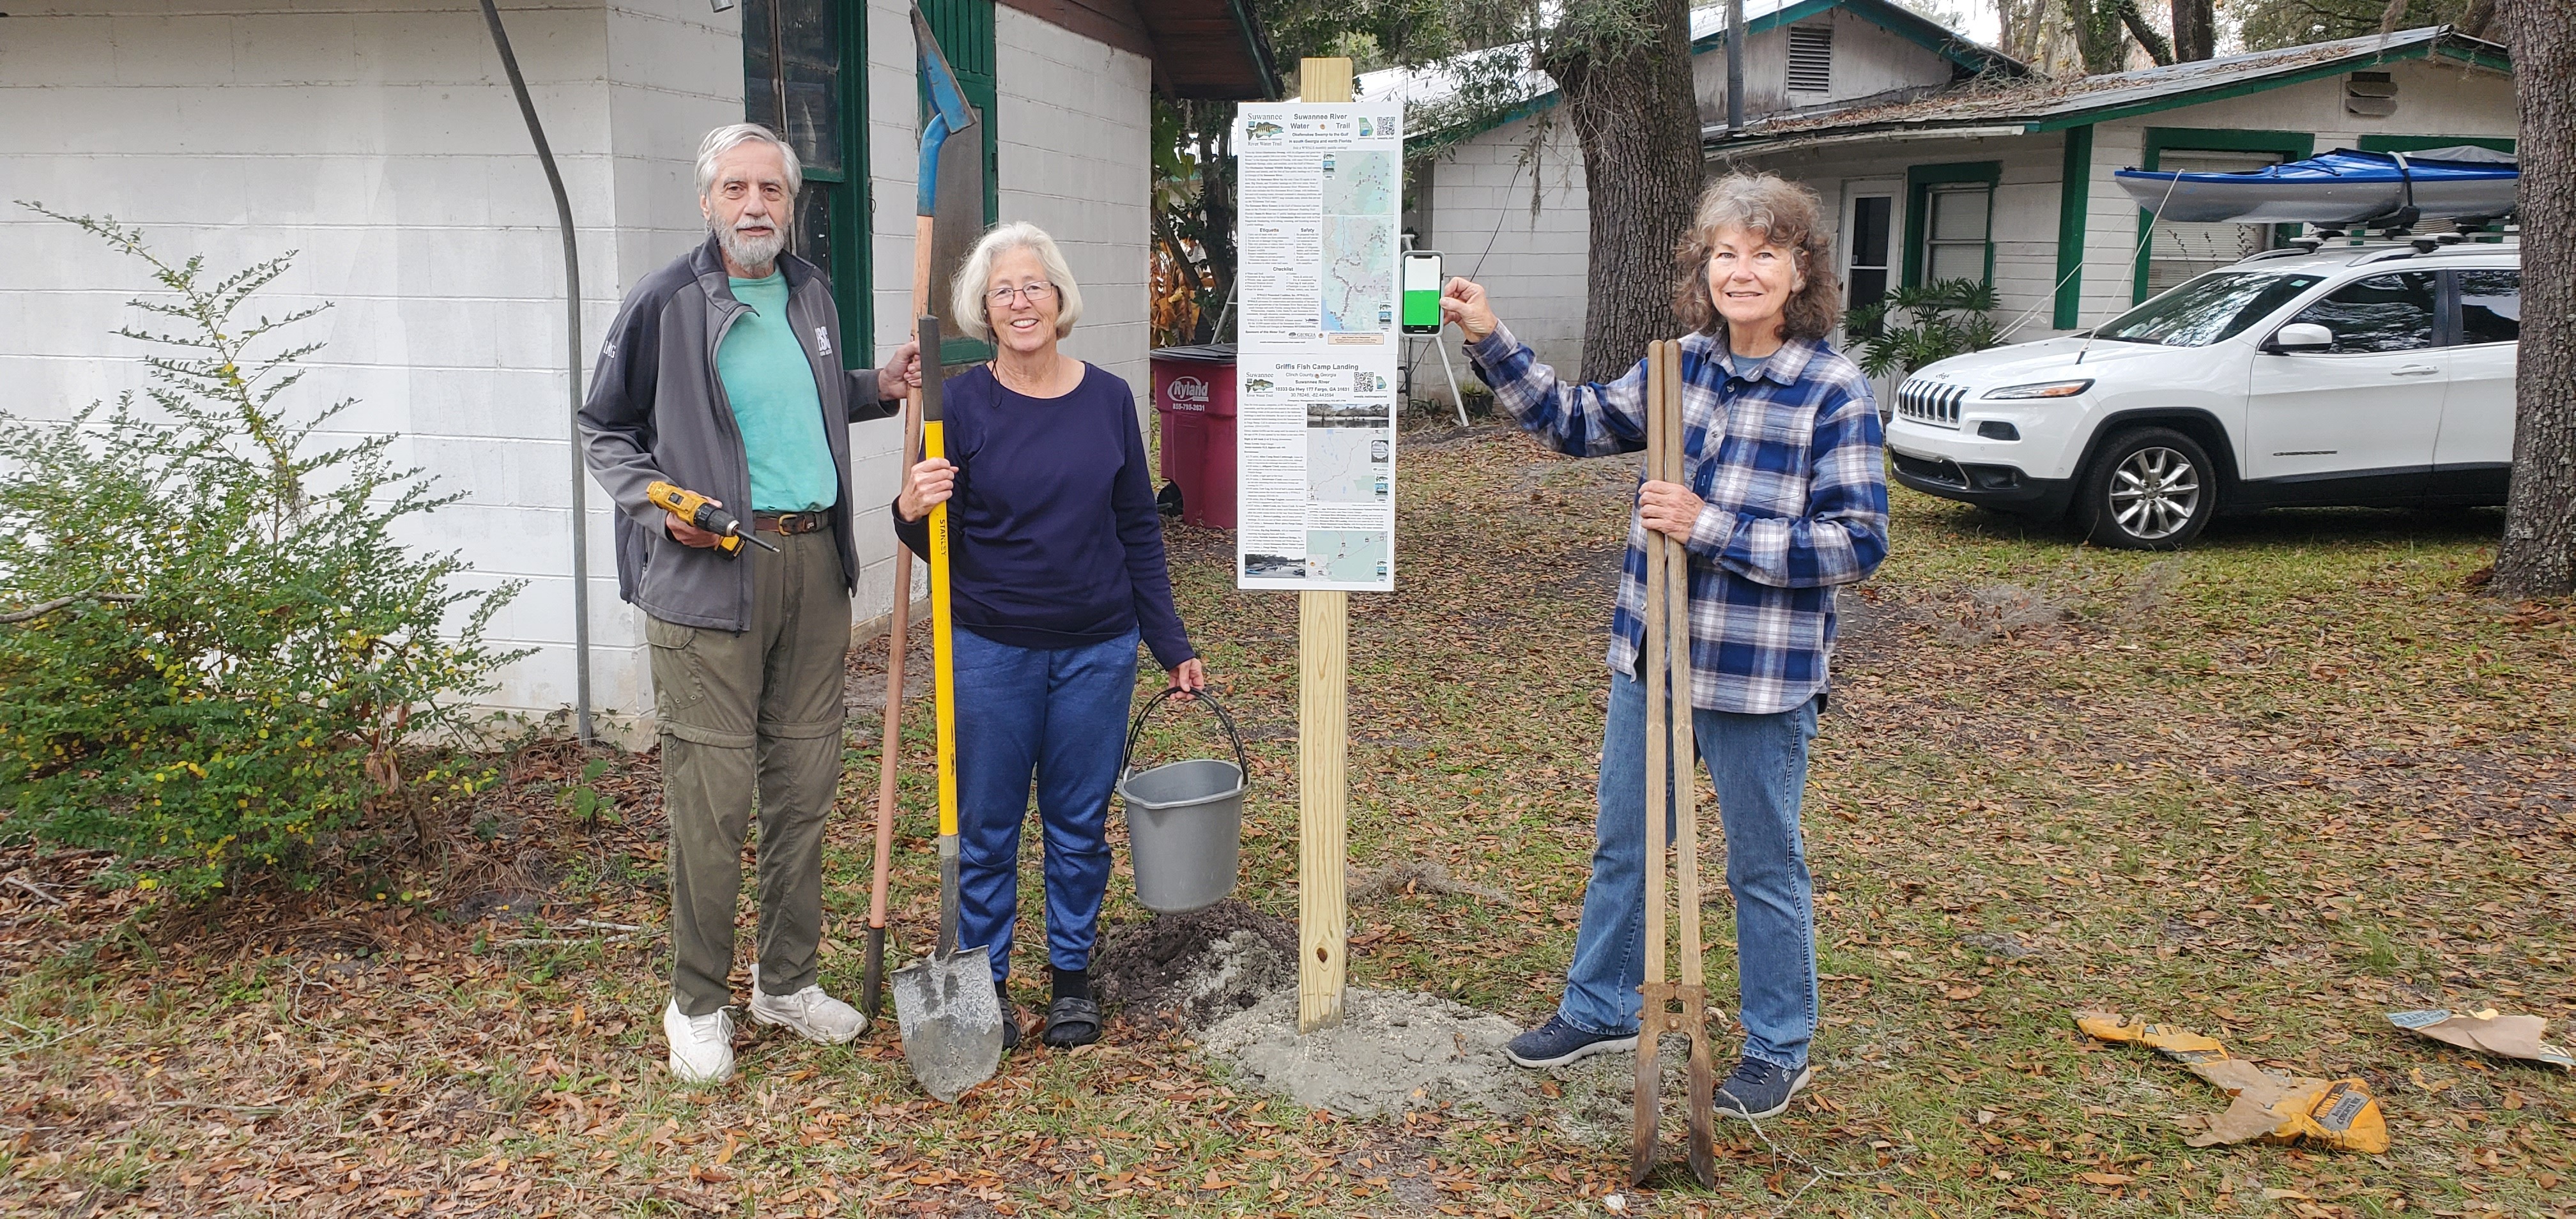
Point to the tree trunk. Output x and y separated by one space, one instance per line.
2099 37
2538 555
2157 48
1636 115
2195 30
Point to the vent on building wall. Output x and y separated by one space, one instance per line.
2369 94
1811 58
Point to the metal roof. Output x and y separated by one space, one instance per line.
2051 105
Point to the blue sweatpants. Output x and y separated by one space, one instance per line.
1054 719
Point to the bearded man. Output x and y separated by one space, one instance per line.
722 374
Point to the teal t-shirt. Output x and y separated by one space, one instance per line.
775 403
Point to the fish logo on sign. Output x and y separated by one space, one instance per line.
1187 393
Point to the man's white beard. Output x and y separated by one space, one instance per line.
754 253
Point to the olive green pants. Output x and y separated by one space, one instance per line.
760 709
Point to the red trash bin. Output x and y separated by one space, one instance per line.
1194 401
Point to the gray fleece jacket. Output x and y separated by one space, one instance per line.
657 412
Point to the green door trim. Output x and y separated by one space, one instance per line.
854 257
966 36
2292 145
1919 181
2074 206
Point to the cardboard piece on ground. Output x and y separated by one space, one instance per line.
2504 1034
2339 1113
2173 1041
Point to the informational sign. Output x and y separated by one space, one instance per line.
1322 188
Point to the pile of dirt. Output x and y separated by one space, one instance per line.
1396 1051
1392 1051
1197 968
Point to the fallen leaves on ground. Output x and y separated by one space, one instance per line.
2272 787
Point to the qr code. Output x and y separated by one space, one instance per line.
1366 382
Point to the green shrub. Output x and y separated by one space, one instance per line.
1912 327
214 642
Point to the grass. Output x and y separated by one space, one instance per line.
2271 789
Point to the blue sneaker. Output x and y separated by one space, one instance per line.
1760 1089
1557 1043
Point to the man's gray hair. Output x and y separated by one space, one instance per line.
724 139
966 294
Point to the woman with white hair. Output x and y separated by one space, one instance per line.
1056 574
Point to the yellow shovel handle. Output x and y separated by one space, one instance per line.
942 654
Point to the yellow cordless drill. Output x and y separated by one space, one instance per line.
701 512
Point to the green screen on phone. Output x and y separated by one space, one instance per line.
1422 292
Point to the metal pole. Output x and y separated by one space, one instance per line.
1734 67
572 374
1456 398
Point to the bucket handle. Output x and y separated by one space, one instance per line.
1127 757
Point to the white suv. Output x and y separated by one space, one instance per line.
2346 374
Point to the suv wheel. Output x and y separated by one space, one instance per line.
2150 489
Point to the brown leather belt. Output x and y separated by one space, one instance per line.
790 523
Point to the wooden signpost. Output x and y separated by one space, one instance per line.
1323 737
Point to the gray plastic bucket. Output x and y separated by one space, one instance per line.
1184 820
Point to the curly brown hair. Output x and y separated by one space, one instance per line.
1787 215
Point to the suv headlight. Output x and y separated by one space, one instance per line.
2041 389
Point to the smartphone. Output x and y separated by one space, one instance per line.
1422 292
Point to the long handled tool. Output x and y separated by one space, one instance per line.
872 982
945 1004
1670 1007
952 114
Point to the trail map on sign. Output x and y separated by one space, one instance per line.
1348 458
1346 556
1359 274
1322 191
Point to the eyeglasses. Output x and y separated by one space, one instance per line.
1035 294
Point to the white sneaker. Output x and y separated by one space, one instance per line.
701 1046
813 1015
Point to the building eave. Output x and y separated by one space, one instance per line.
2049 114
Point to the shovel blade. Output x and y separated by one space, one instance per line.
951 1021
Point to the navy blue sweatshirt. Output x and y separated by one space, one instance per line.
1053 537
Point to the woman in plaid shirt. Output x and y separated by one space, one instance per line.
1786 501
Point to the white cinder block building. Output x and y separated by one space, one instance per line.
380 140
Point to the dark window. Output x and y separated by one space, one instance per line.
802 101
793 83
1872 219
2381 313
2490 306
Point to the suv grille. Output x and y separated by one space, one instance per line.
1931 402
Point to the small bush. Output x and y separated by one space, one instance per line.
1912 327
213 642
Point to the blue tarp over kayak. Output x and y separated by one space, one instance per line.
2342 187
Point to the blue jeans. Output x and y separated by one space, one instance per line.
1760 766
1057 716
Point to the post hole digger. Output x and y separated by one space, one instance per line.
1671 761
945 1005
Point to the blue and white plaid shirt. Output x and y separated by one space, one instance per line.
1797 502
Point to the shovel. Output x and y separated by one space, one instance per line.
1670 1007
944 1004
